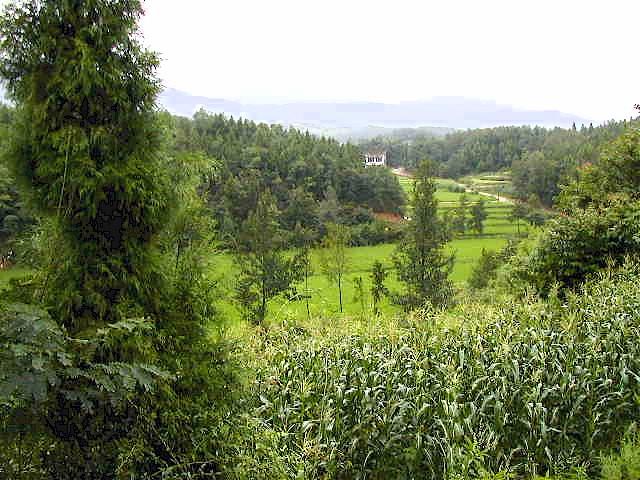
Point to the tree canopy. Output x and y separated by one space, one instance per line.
420 261
314 180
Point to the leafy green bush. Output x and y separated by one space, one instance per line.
455 188
375 233
84 393
574 247
486 269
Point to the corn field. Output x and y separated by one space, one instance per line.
537 388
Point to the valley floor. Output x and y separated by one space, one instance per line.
324 301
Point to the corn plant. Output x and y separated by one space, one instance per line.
535 389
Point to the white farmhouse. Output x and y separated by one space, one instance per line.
376 158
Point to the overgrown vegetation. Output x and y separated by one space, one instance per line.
118 355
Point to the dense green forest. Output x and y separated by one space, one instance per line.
14 217
118 361
313 180
540 160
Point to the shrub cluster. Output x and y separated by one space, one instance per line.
375 233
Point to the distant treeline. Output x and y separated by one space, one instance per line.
540 159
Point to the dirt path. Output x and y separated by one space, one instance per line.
401 172
486 194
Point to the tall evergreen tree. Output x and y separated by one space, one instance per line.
420 261
86 146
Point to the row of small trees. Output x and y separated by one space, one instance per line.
268 270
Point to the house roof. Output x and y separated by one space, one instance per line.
376 152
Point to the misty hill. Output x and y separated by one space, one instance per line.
371 131
368 119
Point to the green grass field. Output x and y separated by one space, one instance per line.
324 301
325 297
443 195
7 275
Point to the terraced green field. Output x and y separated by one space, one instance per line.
495 183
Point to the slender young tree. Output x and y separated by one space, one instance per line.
519 211
360 295
265 270
378 289
334 257
478 216
303 237
420 261
459 218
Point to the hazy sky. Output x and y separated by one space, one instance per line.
579 56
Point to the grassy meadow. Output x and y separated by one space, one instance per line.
324 300
8 274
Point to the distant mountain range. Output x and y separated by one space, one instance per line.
368 119
363 120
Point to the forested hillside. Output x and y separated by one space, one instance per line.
540 160
313 180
